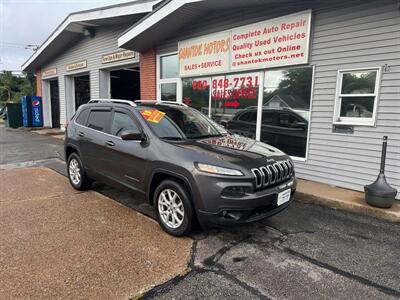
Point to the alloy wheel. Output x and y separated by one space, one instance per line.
74 171
170 208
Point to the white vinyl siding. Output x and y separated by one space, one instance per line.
364 36
345 35
91 49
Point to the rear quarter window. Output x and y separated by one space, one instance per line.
82 117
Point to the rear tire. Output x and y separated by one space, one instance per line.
173 208
76 173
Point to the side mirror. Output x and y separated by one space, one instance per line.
224 123
301 125
132 135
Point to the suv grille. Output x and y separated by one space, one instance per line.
273 174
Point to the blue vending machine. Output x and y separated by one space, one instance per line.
32 112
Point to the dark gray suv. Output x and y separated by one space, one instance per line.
184 164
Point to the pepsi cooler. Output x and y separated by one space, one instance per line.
32 112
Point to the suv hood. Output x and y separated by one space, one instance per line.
234 148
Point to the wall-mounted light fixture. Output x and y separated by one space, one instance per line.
89 31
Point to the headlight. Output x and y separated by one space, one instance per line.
217 170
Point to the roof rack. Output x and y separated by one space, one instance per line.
128 102
161 102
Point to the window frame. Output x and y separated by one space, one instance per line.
160 81
337 119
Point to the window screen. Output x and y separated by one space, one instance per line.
98 119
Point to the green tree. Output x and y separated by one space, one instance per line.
14 87
295 82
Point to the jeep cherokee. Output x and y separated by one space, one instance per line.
183 163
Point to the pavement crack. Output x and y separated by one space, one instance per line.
213 260
387 290
242 284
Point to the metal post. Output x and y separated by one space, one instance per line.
383 157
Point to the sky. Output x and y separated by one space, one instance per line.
30 22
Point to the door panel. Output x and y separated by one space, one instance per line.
126 160
92 139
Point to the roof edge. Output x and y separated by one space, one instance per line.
152 19
137 7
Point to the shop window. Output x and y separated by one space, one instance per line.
231 94
286 109
168 91
169 66
168 80
356 98
196 93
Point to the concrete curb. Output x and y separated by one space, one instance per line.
347 200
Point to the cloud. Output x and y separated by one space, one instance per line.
25 22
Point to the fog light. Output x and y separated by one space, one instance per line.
235 191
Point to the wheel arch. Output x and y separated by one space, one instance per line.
158 175
69 149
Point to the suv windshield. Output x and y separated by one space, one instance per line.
178 123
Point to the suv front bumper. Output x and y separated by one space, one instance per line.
218 209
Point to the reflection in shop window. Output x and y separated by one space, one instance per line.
286 109
169 66
196 93
235 97
168 91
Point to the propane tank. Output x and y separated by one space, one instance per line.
380 193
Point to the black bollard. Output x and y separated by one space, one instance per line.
380 193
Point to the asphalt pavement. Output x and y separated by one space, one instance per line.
307 251
56 242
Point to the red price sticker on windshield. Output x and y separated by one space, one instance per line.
152 115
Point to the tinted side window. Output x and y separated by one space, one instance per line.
287 120
98 119
268 118
250 116
121 122
82 117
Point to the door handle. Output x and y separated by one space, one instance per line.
110 143
81 134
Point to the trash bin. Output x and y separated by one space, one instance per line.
13 115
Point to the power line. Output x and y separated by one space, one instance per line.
18 45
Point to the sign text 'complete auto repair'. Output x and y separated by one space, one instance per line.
266 44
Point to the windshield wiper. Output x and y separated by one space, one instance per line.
172 138
206 136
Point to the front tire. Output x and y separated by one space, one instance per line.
76 173
173 208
